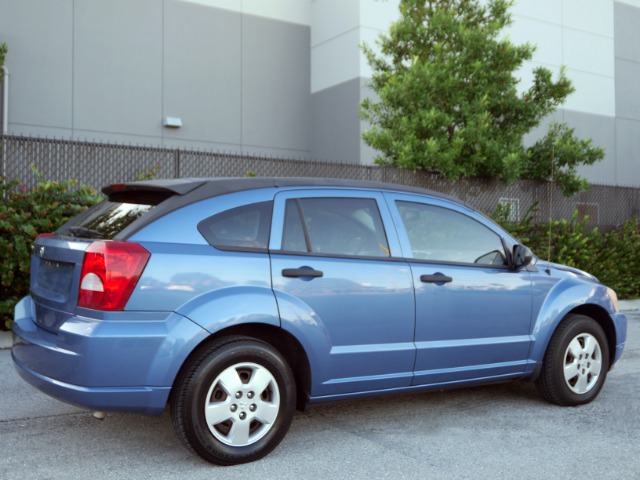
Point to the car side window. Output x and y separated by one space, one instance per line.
241 228
334 226
441 234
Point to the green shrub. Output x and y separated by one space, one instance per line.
613 257
619 260
24 214
524 230
572 243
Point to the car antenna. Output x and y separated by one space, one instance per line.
550 187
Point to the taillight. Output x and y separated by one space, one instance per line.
110 272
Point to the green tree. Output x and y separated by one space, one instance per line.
447 98
3 53
556 157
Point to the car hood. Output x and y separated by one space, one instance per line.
565 268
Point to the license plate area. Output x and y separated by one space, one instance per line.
55 278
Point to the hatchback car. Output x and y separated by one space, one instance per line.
234 301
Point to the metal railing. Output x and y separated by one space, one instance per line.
99 164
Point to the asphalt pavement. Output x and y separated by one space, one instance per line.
491 432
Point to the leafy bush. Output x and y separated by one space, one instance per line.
619 260
24 214
613 257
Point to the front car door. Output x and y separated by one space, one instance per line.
343 290
473 312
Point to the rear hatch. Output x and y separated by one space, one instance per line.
57 259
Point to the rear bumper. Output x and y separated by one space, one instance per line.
147 400
126 362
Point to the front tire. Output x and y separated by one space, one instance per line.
234 402
576 362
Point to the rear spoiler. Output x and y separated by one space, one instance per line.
151 191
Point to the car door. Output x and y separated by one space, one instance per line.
473 312
342 289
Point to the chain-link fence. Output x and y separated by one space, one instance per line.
98 164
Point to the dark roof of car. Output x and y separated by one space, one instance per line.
212 187
171 194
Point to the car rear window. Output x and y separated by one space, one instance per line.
105 220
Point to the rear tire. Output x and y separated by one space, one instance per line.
234 402
576 362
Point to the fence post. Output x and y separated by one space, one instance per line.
3 179
3 145
176 163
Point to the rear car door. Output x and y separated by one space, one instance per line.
473 312
343 289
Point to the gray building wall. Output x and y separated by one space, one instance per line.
627 64
283 77
111 70
336 122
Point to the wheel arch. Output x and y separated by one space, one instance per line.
601 316
286 344
597 313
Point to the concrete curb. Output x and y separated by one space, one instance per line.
629 305
6 340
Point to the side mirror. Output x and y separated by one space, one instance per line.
521 256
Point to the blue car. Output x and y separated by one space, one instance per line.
235 301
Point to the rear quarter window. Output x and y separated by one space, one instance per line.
244 228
